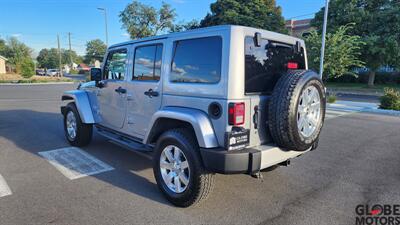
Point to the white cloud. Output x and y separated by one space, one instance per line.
16 35
178 70
190 67
145 62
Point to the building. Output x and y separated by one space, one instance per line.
83 67
3 64
298 28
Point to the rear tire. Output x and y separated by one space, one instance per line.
296 110
77 133
199 181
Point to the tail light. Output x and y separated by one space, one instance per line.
292 65
236 113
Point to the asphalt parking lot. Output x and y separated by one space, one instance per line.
357 162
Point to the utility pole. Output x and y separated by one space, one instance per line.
321 62
105 20
70 49
59 54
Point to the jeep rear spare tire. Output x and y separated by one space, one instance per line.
296 110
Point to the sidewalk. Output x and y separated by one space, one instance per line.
44 83
350 106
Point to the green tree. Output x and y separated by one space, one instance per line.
377 22
185 26
16 52
3 47
67 55
141 20
341 52
95 50
263 14
27 67
48 58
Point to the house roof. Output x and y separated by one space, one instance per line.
2 57
83 65
298 23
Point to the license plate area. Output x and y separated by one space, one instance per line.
238 138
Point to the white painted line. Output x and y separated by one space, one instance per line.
330 114
4 188
74 163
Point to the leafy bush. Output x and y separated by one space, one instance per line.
331 98
380 78
27 68
390 99
342 51
72 71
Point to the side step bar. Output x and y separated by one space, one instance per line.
125 141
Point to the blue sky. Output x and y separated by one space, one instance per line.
37 22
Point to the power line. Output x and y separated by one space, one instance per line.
59 53
70 49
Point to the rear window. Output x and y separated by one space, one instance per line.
197 60
265 64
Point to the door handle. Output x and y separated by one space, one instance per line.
151 93
120 90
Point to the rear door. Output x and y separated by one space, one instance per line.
111 97
144 88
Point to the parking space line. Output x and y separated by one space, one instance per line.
330 114
4 188
75 163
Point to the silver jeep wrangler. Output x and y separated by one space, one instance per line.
223 99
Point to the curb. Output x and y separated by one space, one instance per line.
22 84
376 94
361 107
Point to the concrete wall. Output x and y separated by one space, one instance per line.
2 66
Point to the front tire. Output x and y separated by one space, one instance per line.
77 133
179 170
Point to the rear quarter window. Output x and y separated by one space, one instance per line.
264 65
197 60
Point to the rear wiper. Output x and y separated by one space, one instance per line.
276 44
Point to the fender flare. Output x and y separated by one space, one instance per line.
82 102
199 120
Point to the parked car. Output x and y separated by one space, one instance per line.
53 72
40 72
224 99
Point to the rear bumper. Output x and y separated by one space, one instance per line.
249 160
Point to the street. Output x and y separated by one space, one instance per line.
357 162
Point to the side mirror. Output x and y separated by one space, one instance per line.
95 74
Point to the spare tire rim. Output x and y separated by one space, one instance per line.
71 125
174 169
308 111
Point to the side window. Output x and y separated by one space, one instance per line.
115 66
147 65
197 60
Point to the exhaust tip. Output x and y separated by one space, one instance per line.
285 163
